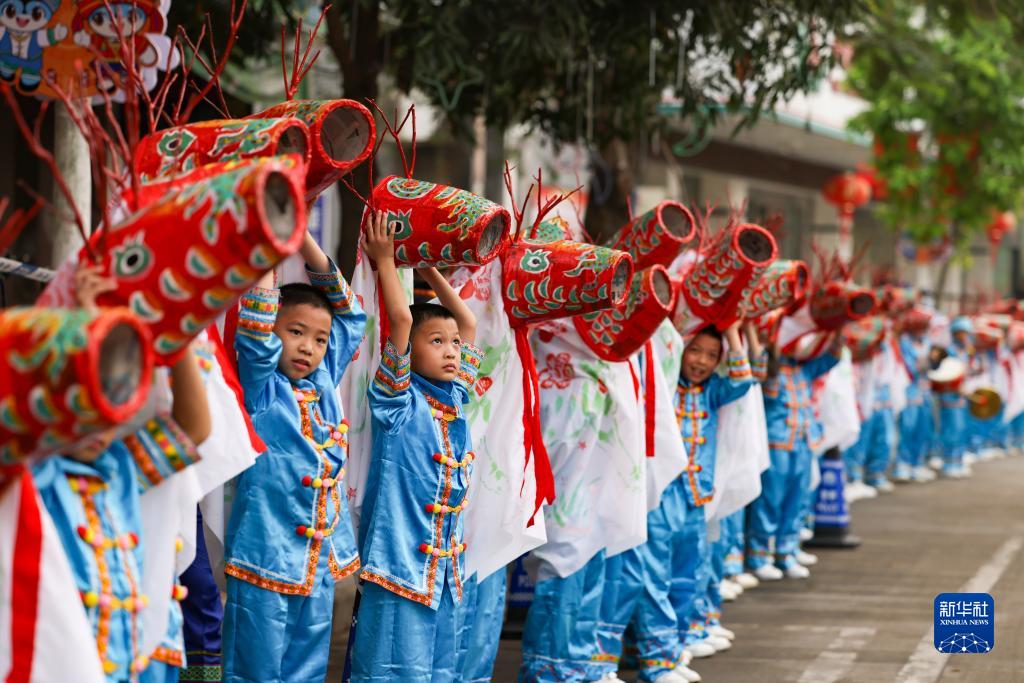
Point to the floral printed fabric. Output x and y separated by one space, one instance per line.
593 428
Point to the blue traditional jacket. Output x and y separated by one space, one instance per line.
787 403
410 539
913 351
696 408
290 507
95 509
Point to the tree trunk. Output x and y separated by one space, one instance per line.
360 58
611 190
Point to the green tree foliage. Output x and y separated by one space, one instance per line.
945 83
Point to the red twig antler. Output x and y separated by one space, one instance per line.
300 67
183 112
393 131
15 223
32 139
517 211
549 204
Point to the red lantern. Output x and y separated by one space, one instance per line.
1002 223
846 192
879 188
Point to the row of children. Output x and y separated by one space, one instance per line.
603 438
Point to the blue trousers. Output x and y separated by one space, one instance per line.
397 639
917 427
203 615
776 512
637 587
559 638
691 573
1015 432
620 592
736 526
270 636
952 431
484 603
873 449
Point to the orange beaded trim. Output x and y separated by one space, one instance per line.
661 663
168 656
103 571
604 657
338 572
694 441
404 592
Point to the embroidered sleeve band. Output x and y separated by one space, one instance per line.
739 366
258 313
334 287
759 367
160 449
394 374
469 368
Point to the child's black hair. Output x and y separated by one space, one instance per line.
423 312
300 293
711 331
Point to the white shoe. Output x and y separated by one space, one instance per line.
747 580
672 676
613 677
768 573
701 649
797 571
686 658
722 632
806 559
806 534
733 586
923 474
970 457
728 590
720 644
935 463
687 674
884 486
852 492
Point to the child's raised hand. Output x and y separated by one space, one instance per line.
378 238
89 285
732 335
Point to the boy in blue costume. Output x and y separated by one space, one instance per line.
793 434
916 421
674 562
954 437
410 619
698 397
92 496
289 538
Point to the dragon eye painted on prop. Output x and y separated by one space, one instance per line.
441 225
546 277
67 373
184 258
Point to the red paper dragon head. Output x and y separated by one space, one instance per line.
183 259
440 225
657 236
68 374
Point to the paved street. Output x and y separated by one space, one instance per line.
863 614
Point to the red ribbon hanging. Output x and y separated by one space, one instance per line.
533 441
25 576
650 397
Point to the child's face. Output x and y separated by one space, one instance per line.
700 358
94 446
304 331
436 349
